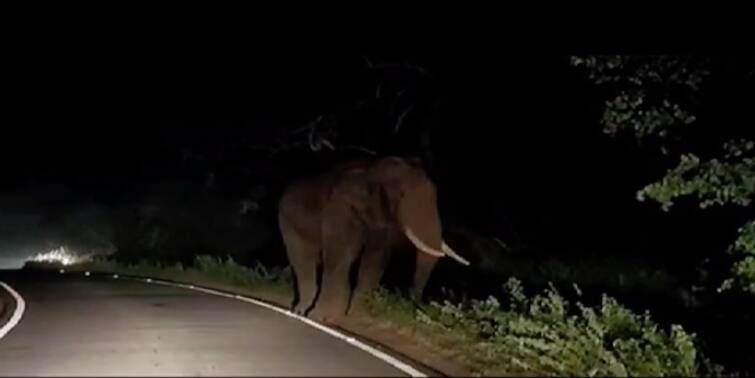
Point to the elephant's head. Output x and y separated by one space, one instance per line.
409 196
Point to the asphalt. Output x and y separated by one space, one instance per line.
94 326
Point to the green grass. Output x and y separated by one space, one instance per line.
209 271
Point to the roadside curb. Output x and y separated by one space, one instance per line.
7 304
12 308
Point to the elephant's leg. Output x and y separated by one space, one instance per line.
304 256
341 248
306 279
371 268
422 271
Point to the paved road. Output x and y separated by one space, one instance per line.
76 325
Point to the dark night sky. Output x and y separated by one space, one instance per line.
73 100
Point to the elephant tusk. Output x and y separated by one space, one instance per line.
421 245
450 253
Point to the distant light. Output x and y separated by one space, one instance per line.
62 271
115 276
149 280
86 274
61 256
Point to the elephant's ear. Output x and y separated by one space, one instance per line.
386 193
395 176
388 198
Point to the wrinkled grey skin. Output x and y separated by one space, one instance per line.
356 213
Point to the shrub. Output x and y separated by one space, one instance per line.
216 269
545 334
230 270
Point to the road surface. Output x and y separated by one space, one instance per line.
84 326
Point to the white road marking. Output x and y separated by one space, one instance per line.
17 313
398 364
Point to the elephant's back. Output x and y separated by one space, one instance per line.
302 203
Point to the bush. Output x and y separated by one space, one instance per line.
547 335
238 274
743 271
214 269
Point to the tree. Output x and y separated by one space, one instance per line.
657 99
391 113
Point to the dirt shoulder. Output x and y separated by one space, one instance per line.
405 342
386 336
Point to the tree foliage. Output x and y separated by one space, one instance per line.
744 269
387 112
654 94
656 97
730 180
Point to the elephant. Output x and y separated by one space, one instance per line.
358 212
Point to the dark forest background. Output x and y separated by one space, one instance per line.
515 142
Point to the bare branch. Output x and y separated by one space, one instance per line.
396 100
502 244
326 143
409 66
367 61
360 148
401 117
314 145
